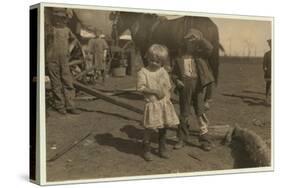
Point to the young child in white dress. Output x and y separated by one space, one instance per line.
159 113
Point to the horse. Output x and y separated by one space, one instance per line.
147 29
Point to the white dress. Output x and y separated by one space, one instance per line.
157 113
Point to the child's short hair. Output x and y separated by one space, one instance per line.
158 53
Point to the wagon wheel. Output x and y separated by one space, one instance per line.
78 64
127 44
77 57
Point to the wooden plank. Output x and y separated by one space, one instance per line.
109 99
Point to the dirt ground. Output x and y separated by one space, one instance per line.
112 147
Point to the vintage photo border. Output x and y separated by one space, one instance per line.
41 170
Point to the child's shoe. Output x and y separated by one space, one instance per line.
163 150
179 145
147 155
164 154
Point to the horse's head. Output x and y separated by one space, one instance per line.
121 22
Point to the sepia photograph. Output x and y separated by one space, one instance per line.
133 94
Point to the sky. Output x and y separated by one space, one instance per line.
244 37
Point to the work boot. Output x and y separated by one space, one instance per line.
146 154
62 111
205 141
180 144
74 111
162 144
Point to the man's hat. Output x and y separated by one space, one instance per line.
59 12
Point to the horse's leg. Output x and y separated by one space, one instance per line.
138 60
144 60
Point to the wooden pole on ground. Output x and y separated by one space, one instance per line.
68 148
104 97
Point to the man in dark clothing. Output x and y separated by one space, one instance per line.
191 74
57 54
267 72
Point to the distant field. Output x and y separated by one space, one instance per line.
237 59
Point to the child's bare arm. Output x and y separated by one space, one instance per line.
157 93
179 83
142 87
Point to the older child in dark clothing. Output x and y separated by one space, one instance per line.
191 74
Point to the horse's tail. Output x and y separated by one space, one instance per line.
221 47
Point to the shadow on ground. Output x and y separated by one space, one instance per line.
137 134
122 145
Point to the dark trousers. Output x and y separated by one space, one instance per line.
62 83
209 92
183 129
191 96
267 88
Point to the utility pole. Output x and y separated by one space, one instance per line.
249 45
230 41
